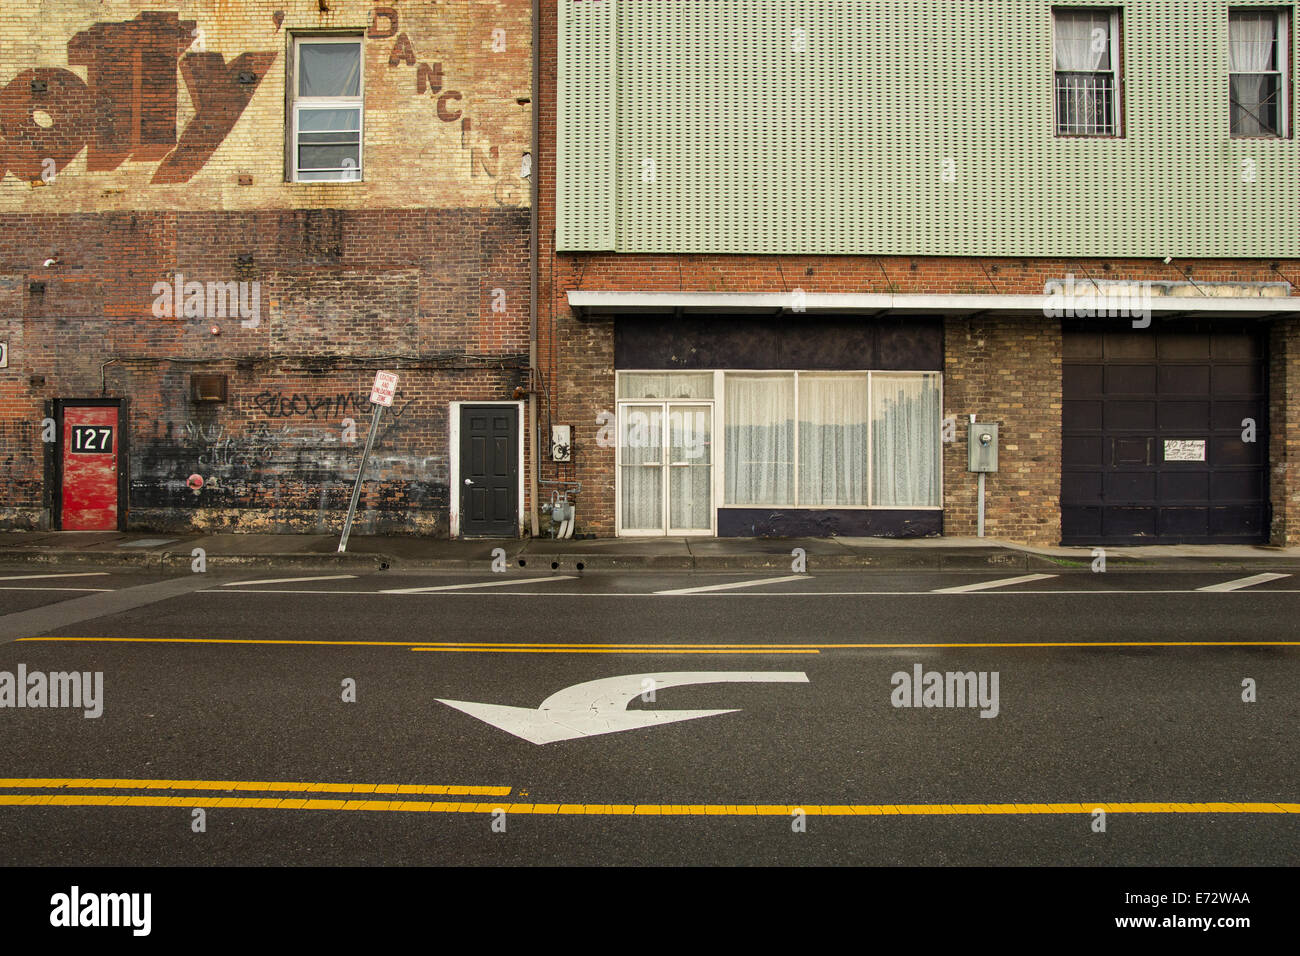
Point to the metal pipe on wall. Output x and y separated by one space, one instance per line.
533 191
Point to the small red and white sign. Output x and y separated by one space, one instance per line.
385 387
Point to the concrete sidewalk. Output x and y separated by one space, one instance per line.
149 551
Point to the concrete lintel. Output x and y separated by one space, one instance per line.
781 303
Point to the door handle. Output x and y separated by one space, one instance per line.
469 481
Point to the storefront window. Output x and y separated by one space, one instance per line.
759 446
832 440
905 440
863 439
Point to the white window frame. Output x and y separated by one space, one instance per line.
1117 91
298 103
664 464
1282 16
719 463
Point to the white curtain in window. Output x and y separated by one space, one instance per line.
1076 46
329 69
665 385
759 440
690 473
1250 51
641 474
905 441
832 440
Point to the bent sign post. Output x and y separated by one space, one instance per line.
381 396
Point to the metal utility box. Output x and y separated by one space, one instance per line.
982 439
561 443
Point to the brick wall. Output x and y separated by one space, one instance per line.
421 268
1284 431
1006 371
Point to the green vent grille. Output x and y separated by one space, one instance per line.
830 128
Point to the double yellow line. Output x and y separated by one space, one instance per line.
520 647
365 797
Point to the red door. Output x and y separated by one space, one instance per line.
90 449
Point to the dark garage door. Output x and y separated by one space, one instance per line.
1141 407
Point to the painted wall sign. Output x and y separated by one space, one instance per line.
127 107
600 706
1178 450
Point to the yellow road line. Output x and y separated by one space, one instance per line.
654 809
675 648
112 783
602 650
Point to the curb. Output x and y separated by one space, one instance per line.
929 560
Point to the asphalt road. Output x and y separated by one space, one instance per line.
1114 691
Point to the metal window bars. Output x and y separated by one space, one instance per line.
1085 104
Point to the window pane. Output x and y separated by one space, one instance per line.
690 472
905 441
350 174
328 139
1251 46
1255 102
328 157
641 438
759 440
665 385
313 121
329 69
1083 41
832 440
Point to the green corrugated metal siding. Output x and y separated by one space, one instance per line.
840 149
584 122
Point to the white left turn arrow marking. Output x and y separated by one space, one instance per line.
600 706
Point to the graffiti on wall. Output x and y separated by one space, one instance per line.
288 405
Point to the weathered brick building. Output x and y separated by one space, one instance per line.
218 220
789 249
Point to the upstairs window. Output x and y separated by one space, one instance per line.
1258 43
327 109
1087 72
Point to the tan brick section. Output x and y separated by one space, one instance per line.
451 142
1006 371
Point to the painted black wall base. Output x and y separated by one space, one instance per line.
827 523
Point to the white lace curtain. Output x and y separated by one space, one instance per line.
835 440
759 440
1079 48
905 441
832 440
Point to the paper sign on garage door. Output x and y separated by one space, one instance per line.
1179 450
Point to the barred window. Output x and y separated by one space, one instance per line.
1087 72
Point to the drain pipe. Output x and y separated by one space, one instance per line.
980 532
533 191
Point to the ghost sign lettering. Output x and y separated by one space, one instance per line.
126 107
